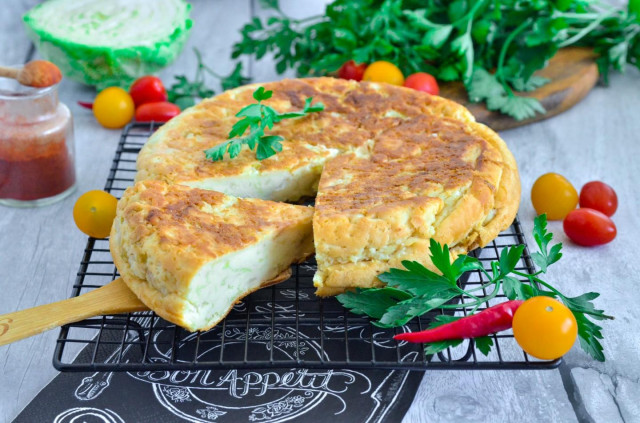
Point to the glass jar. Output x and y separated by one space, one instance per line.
36 146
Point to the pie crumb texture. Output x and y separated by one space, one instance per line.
391 167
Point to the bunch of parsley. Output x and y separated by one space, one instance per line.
416 290
494 47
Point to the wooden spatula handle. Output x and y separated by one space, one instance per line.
112 298
9 72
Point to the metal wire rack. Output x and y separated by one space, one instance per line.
283 326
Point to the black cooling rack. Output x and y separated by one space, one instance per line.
283 326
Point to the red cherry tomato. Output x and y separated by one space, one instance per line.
349 70
147 89
599 196
160 111
422 82
589 227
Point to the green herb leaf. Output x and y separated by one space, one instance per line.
520 84
484 344
515 289
509 258
441 259
436 347
268 146
521 108
184 102
234 79
373 302
590 335
261 94
483 86
443 319
257 118
582 304
401 313
417 279
270 4
437 37
545 257
465 263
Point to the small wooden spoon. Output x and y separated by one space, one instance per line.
38 73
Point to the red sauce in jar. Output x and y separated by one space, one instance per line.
36 146
36 167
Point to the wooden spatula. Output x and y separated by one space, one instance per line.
38 73
112 298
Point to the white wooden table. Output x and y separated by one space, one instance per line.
598 139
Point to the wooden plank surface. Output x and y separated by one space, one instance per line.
40 249
496 397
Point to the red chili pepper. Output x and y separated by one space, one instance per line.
86 104
493 319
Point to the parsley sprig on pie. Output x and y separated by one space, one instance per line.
258 117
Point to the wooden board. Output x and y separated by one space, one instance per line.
572 71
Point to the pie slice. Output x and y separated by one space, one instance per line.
191 254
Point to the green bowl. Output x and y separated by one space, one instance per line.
109 43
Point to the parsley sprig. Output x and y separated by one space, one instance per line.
416 290
493 47
257 118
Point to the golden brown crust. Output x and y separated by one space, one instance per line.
430 176
400 167
175 152
163 234
354 113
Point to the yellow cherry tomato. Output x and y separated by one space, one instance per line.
94 213
554 195
113 107
545 328
383 72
